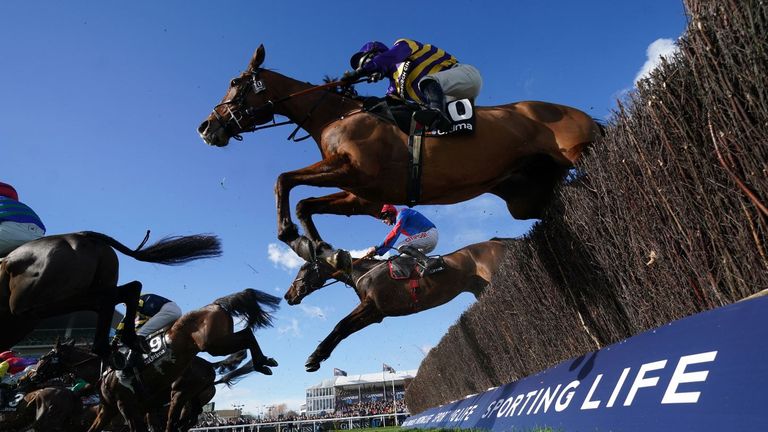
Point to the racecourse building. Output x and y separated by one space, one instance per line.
334 395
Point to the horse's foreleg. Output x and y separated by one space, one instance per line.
178 400
362 316
103 417
333 171
134 418
340 203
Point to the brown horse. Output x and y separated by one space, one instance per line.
69 272
209 329
518 151
468 269
45 409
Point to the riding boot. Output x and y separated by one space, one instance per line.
425 262
434 115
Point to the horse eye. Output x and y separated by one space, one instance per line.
235 82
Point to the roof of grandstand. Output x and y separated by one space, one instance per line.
369 378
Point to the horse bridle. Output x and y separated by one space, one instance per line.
264 114
237 116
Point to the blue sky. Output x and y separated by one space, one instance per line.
100 101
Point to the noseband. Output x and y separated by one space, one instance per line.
239 116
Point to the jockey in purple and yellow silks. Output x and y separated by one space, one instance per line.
420 73
420 235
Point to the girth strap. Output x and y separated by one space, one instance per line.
415 141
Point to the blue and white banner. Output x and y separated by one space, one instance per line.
707 372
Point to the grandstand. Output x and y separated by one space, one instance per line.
80 326
341 393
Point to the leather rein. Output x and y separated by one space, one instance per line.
265 113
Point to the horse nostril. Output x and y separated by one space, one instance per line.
203 127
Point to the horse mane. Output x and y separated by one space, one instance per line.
248 305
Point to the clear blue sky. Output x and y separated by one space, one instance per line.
100 101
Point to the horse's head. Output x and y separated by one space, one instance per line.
311 277
51 364
246 104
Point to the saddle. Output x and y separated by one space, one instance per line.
404 267
461 112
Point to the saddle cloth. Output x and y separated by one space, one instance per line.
158 348
461 113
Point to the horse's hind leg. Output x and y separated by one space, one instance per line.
128 294
15 330
340 203
243 339
362 316
530 190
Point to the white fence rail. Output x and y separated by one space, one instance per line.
318 425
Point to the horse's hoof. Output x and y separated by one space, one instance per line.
263 369
311 367
269 361
288 232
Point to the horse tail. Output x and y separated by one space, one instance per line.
248 304
236 375
230 363
168 250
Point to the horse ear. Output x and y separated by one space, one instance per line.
258 58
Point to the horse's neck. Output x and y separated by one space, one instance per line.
313 110
363 268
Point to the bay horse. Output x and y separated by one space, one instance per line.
45 409
468 269
519 151
79 271
208 329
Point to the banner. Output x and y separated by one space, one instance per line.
707 372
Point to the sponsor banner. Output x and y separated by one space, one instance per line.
707 372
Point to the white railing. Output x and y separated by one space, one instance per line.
316 425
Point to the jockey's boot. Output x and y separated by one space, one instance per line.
434 115
426 264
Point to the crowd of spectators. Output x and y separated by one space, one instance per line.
360 409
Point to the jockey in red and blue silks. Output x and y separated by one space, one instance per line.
421 234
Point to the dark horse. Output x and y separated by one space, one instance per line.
518 151
209 329
48 404
79 271
468 269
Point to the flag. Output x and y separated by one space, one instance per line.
339 372
388 368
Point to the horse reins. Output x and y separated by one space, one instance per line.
268 108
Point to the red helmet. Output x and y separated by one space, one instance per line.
387 210
7 190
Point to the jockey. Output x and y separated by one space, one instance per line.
420 73
18 223
421 235
153 313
